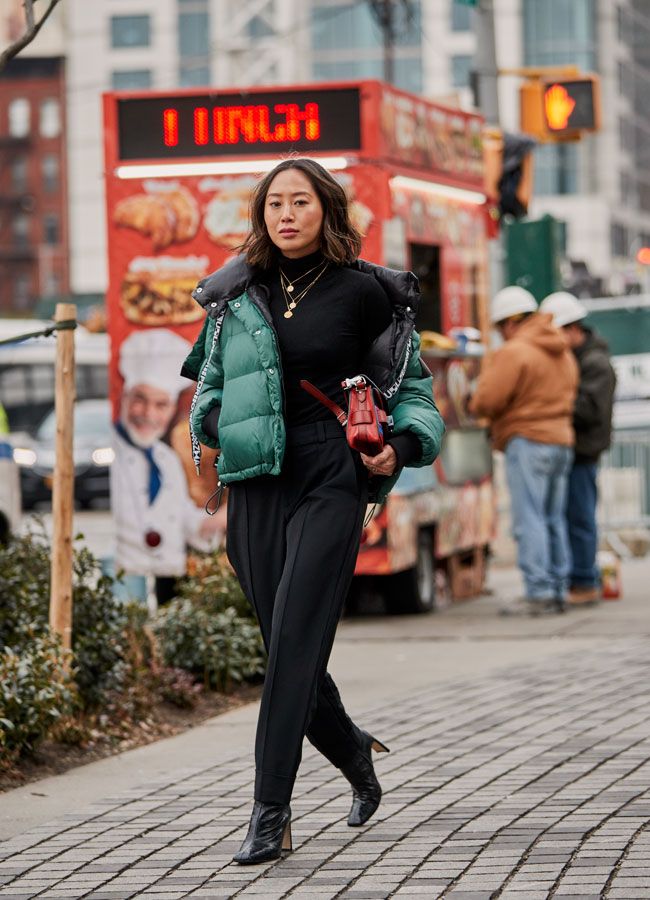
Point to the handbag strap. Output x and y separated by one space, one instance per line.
333 407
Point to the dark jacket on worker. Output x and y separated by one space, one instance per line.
592 417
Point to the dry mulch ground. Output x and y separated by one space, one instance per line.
53 757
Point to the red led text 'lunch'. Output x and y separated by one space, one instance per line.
250 124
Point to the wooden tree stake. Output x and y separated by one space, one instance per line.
63 486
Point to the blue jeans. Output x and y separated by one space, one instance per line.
581 517
537 479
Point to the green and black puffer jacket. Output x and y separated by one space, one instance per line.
236 364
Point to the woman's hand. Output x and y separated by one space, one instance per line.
382 464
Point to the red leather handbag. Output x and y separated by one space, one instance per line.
366 422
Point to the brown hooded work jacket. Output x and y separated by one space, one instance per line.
527 388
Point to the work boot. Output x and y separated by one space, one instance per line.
527 606
582 595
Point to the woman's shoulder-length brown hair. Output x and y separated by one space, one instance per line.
340 240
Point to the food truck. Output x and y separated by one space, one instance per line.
180 167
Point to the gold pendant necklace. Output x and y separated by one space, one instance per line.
292 302
290 285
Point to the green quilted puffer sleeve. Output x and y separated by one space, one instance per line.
192 365
205 360
413 407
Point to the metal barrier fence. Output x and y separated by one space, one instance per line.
624 482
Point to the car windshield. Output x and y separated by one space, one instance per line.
90 420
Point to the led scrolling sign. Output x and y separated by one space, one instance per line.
212 125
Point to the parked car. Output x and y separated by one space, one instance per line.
93 455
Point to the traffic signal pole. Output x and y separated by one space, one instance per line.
485 62
487 100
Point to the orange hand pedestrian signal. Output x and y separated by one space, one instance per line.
558 105
562 109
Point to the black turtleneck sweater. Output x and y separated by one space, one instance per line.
327 337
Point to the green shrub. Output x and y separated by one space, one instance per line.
211 584
99 620
35 692
178 687
210 629
221 647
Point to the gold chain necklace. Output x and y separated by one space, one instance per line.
292 302
290 285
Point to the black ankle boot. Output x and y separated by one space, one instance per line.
269 833
360 772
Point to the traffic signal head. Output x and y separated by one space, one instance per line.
560 110
643 256
508 167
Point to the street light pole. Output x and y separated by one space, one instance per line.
384 13
389 38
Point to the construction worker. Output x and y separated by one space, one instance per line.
592 421
526 390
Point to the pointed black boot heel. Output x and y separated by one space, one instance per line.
360 772
269 834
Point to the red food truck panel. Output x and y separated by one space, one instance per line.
180 168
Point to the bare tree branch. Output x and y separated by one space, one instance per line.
32 28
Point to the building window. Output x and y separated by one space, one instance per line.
461 18
556 169
259 28
19 114
193 34
619 240
461 68
22 291
51 284
19 174
50 118
352 26
348 70
348 43
50 172
51 228
20 229
194 44
131 79
557 32
628 189
192 76
408 74
130 31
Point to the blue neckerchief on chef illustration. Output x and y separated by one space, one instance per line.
155 475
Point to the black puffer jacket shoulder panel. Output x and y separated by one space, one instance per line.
387 352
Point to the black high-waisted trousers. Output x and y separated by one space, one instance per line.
292 540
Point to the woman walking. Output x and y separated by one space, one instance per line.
298 304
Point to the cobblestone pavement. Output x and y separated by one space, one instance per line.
531 783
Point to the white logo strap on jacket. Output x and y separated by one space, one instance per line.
196 446
394 388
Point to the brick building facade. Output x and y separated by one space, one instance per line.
34 256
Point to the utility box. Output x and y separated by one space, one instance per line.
533 253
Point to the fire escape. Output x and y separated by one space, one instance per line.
261 42
18 255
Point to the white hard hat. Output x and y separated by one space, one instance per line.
154 356
511 301
564 308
